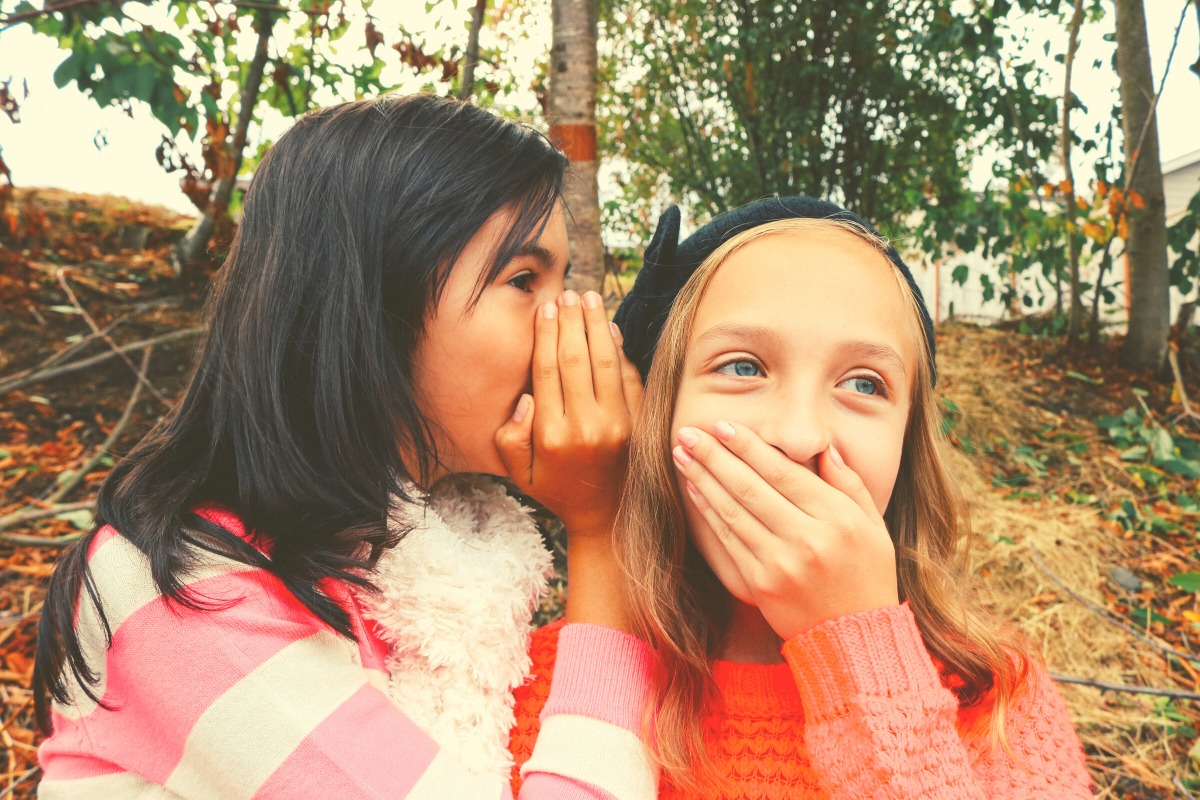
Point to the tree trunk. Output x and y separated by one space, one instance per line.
572 112
191 248
1145 345
472 55
1075 313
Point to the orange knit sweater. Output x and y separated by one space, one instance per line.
859 711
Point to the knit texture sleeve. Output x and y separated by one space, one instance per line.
880 723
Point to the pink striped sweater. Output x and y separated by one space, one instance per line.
260 699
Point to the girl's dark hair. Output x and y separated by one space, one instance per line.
301 402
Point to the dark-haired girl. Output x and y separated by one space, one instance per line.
391 315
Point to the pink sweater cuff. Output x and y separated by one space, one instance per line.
601 673
868 654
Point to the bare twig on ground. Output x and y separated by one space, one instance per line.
19 380
7 790
1108 615
1179 694
61 275
1182 789
68 486
63 354
1173 359
30 514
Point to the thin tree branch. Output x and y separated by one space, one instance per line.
66 5
471 58
61 274
1075 309
1108 615
1180 694
68 486
21 379
1173 359
1150 118
31 514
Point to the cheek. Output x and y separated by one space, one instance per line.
877 462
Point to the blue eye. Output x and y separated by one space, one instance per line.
521 282
742 368
870 386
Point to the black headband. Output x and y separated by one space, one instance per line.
668 263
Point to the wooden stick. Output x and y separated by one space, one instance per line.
20 380
28 515
1181 694
1108 615
68 486
1173 359
61 275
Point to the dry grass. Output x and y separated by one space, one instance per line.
1129 750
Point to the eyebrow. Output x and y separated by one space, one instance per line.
536 251
874 350
733 330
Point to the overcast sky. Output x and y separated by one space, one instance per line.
56 142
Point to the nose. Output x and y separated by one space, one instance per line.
799 429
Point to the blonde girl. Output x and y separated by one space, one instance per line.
792 537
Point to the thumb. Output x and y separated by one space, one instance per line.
834 471
514 441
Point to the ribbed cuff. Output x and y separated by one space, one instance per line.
601 673
869 654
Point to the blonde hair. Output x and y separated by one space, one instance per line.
681 608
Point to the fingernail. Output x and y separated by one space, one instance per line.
681 456
591 299
837 457
689 437
691 487
724 430
549 311
569 298
616 332
522 408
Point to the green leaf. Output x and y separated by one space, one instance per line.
1079 376
1146 615
1177 466
1135 453
1188 581
71 68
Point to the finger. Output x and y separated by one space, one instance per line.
727 515
574 365
745 486
631 379
514 440
835 472
602 350
547 385
798 484
744 560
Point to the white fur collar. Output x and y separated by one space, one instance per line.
457 598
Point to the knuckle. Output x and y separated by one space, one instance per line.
606 363
545 370
745 493
729 511
571 360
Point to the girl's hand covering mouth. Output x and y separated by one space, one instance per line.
809 547
566 446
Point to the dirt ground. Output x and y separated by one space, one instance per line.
1048 486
